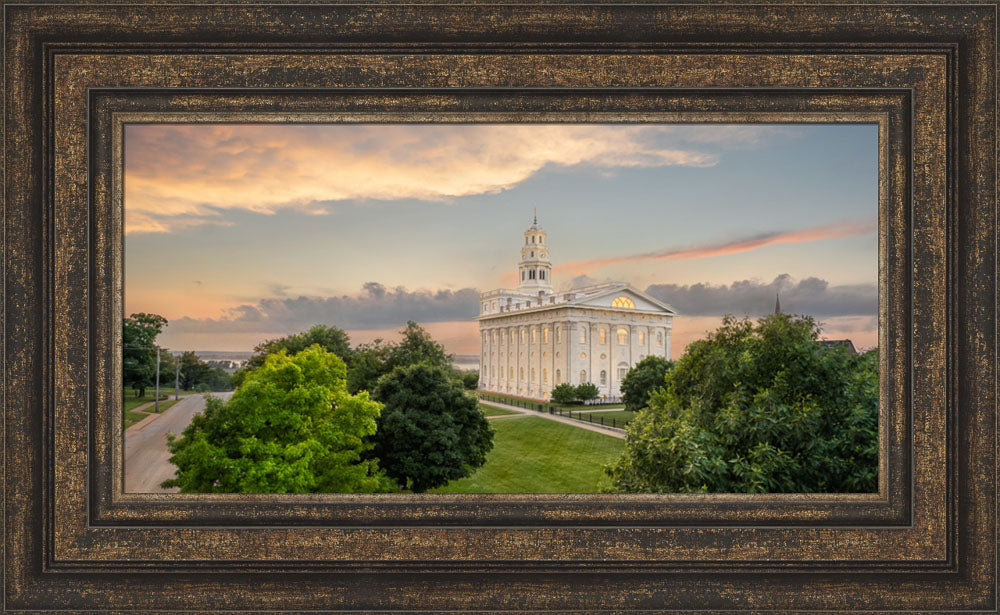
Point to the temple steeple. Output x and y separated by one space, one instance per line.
534 271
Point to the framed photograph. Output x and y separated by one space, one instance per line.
500 307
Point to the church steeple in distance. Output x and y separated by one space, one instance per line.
777 304
534 272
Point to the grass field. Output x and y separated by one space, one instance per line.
494 411
536 455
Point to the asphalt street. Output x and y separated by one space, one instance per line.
147 460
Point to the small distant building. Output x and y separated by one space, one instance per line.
533 338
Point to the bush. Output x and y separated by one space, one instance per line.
587 391
564 393
430 431
758 408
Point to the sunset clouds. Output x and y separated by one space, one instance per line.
178 176
375 307
830 231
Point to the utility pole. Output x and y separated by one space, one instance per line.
156 402
177 374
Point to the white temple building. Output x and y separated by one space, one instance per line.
533 338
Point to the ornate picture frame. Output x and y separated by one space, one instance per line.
75 74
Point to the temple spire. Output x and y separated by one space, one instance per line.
536 215
777 304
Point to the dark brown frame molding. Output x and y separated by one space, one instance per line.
76 74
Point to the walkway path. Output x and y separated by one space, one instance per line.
608 431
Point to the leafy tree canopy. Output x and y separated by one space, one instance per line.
331 339
291 427
430 431
196 374
586 391
139 350
372 361
758 408
644 378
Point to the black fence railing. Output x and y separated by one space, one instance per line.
550 408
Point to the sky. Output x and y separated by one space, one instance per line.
238 233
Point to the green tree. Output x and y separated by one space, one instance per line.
644 378
139 350
371 362
198 375
470 379
291 427
758 408
564 393
586 391
430 431
331 339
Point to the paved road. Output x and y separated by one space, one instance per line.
147 460
608 431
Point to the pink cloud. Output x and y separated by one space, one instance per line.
831 231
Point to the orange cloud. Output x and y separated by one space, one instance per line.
831 231
181 175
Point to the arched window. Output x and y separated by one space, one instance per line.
659 338
532 374
622 371
510 372
532 239
623 302
522 336
622 336
558 376
545 335
532 254
604 377
541 273
604 335
545 375
534 335
558 334
642 338
583 335
583 355
583 376
522 373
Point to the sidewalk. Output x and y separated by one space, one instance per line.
608 431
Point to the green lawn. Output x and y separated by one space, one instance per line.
131 418
494 411
536 455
